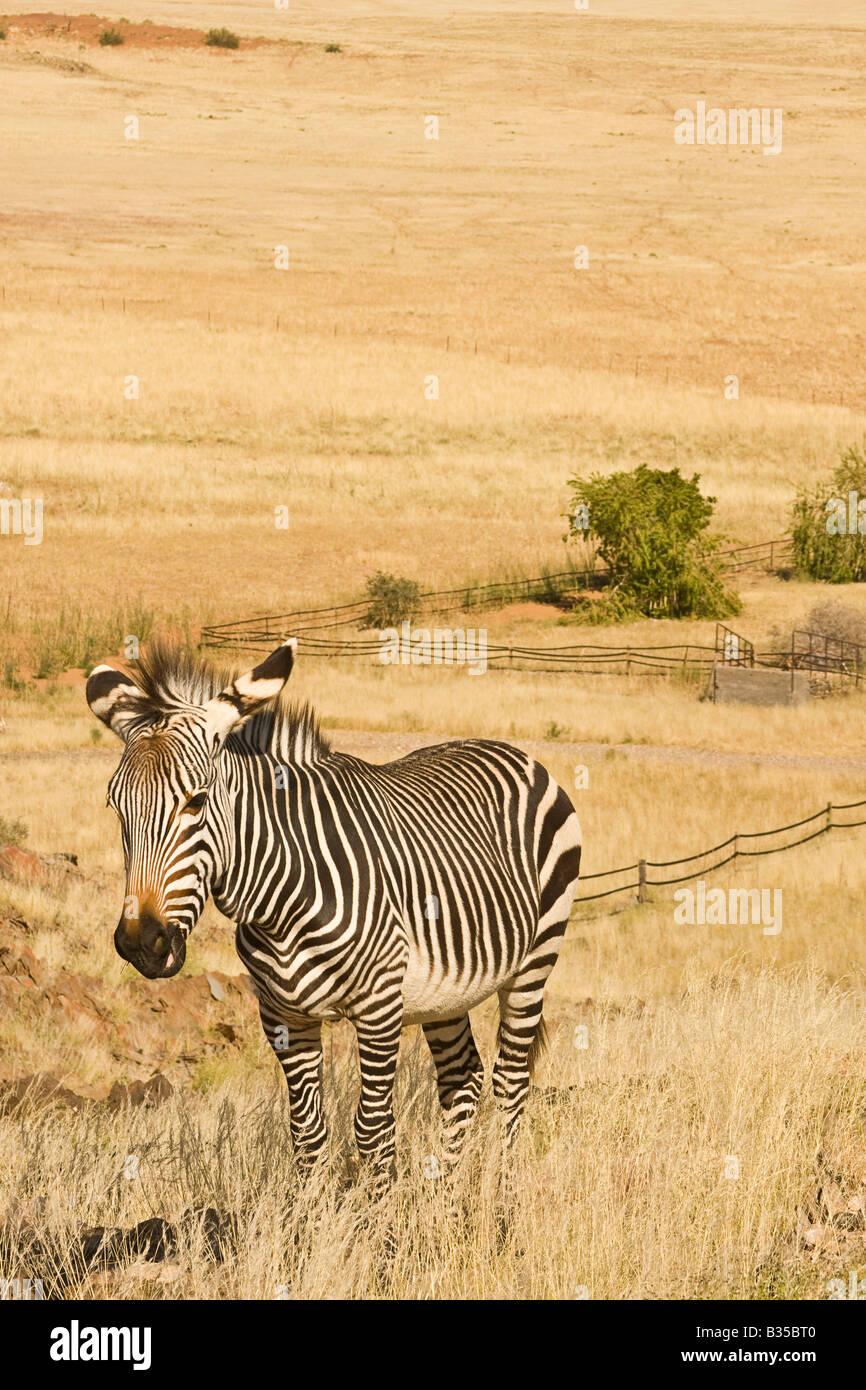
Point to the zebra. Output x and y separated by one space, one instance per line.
394 894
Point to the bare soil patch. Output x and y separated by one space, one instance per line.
86 28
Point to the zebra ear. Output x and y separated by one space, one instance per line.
115 698
249 692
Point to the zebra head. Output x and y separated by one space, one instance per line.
173 804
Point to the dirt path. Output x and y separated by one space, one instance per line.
382 747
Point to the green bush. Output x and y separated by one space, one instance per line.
820 549
333 48
221 38
649 529
392 600
110 38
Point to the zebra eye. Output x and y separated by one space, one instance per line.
196 802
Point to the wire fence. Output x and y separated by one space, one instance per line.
271 627
737 846
686 657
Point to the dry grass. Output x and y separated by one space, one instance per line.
408 257
702 1043
762 1067
261 388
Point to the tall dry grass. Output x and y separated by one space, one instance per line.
619 1178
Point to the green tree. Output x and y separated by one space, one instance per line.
825 530
649 528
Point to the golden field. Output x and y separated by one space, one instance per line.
261 388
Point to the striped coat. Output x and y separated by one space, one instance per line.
403 893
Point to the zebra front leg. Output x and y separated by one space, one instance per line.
299 1051
459 1077
378 1043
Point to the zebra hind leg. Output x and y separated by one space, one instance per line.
521 1039
522 1035
459 1077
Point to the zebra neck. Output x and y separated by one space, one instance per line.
271 868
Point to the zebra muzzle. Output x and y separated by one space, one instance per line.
157 949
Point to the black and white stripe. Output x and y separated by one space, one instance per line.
388 895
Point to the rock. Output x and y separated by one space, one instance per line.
41 1088
24 867
27 868
19 961
153 1239
216 989
220 1232
60 861
11 922
151 1092
848 1221
146 1251
101 1246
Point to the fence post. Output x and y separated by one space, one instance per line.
641 881
829 825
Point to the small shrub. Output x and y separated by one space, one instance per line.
600 609
110 38
392 600
12 832
838 622
2 33
221 38
333 48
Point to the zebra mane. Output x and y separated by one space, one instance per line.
171 678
